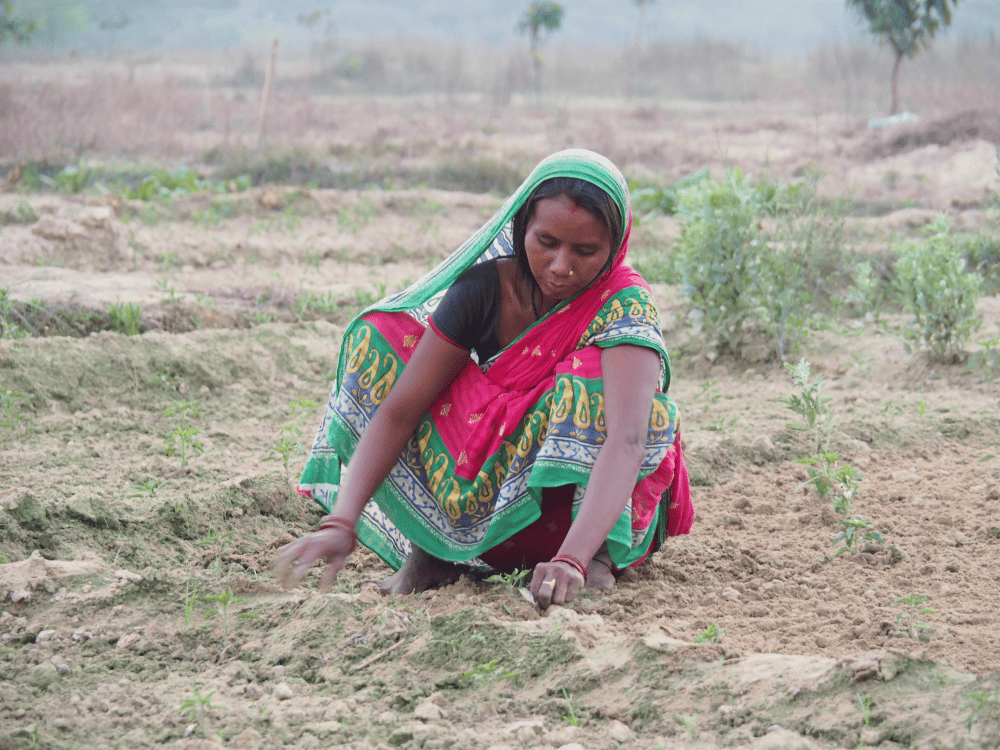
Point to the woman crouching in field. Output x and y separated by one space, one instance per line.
509 409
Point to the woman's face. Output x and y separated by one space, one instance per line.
567 247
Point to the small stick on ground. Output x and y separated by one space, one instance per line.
372 659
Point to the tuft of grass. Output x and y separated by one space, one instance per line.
125 318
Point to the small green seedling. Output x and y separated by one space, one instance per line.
712 634
865 704
980 704
709 390
171 298
182 411
853 534
198 705
826 473
818 420
291 440
489 675
220 542
173 382
690 724
146 488
512 580
489 672
914 607
302 407
988 456
571 718
721 424
181 440
222 601
286 447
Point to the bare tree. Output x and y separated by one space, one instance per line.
905 25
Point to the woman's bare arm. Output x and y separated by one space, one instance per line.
434 365
630 374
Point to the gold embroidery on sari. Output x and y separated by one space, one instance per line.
358 349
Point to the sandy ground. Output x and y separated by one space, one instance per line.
110 547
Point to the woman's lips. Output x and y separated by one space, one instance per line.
561 288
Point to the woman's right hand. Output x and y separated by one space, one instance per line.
294 560
555 583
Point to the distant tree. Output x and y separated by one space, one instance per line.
540 17
632 57
54 20
111 24
643 5
320 21
17 29
905 25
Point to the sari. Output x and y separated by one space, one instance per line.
529 419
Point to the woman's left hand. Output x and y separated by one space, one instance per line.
555 583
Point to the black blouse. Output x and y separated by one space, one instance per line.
469 312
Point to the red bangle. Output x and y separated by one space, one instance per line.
573 562
336 522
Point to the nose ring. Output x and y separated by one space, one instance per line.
571 272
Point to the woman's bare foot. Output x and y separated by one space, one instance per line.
599 572
420 572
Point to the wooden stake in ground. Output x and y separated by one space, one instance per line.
268 81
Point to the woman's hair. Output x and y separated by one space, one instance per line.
586 195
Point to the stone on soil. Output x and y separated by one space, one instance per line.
283 692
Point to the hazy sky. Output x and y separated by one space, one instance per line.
777 25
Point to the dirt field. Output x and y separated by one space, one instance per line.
111 548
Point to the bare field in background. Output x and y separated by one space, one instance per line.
240 282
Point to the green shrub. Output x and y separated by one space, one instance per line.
163 183
982 255
648 202
939 292
718 255
868 292
745 288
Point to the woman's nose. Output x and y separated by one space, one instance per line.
561 263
